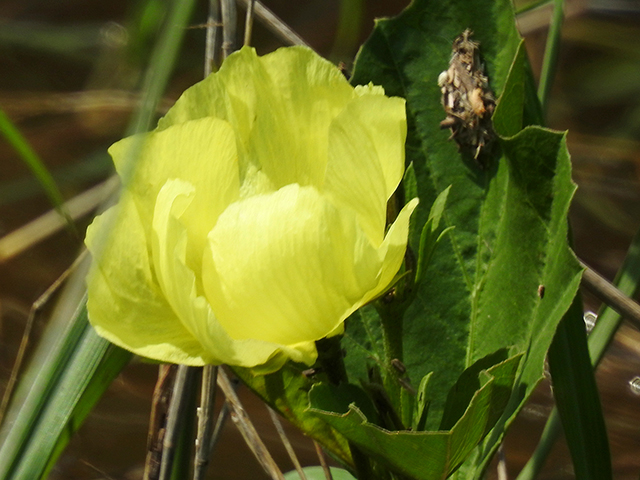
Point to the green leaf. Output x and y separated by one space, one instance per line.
426 455
287 391
422 404
628 282
430 235
507 118
577 399
35 164
480 292
72 382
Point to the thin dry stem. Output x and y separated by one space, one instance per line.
52 222
185 381
323 461
287 444
280 29
205 414
229 20
211 47
610 295
248 23
246 428
26 335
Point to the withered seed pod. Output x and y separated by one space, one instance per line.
467 98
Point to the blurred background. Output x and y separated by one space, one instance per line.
70 73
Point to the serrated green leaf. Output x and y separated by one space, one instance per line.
507 118
287 391
426 455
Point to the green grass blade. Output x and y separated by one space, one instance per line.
18 436
78 370
550 61
531 6
33 161
577 398
350 18
93 364
552 430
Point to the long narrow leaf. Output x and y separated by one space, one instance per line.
92 366
577 399
40 390
552 48
33 161
80 369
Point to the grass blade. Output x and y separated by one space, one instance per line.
82 364
33 161
550 61
628 282
577 398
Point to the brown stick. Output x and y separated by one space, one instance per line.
610 295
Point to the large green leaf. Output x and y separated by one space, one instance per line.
480 292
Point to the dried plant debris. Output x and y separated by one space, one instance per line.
467 98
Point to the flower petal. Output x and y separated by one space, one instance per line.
202 152
392 251
280 106
125 304
366 158
178 283
287 267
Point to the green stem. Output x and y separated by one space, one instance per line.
331 360
392 328
551 431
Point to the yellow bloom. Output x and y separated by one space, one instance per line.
254 221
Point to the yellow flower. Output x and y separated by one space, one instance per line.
254 221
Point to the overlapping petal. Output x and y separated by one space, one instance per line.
125 303
202 152
366 158
287 267
280 107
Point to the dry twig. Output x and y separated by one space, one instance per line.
246 428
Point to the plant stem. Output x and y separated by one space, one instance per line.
392 329
331 360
